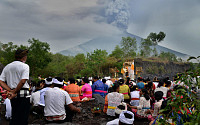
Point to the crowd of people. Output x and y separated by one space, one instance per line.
55 98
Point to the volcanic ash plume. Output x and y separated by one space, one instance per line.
117 13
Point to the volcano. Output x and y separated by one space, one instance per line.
108 43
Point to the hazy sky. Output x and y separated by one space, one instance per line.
66 23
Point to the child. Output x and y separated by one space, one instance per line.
135 96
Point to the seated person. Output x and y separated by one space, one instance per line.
55 101
112 100
73 90
86 89
125 118
135 96
144 105
157 105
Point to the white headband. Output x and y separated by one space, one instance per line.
125 120
57 82
48 82
118 111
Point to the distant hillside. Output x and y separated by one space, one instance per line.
108 43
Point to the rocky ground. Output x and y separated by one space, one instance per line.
86 117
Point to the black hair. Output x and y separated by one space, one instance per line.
110 90
96 77
121 107
133 88
104 80
121 81
127 80
85 80
49 79
72 80
129 116
115 87
161 83
168 83
158 95
20 53
60 80
58 85
150 84
146 94
140 79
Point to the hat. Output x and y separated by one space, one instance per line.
121 107
123 119
56 81
48 81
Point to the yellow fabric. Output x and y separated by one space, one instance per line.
81 86
125 89
111 107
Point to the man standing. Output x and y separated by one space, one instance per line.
16 75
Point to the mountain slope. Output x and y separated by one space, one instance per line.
108 43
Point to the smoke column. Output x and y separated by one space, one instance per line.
117 14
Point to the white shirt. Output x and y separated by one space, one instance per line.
42 93
8 108
135 94
163 89
55 101
35 98
14 72
156 84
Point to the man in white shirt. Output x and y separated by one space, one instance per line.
55 101
16 74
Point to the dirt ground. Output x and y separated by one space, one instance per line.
86 117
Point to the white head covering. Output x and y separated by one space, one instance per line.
118 111
57 82
125 120
48 82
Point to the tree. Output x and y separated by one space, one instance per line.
156 38
129 46
168 56
145 48
117 52
7 52
39 56
95 61
57 66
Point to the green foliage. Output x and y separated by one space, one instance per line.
7 52
117 52
96 60
183 99
145 48
39 56
156 38
57 66
129 46
168 56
